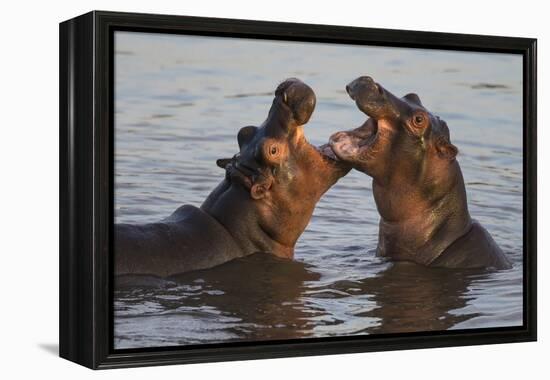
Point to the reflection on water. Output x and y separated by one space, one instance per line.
266 305
178 109
414 298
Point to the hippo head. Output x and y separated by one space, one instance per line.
400 139
284 174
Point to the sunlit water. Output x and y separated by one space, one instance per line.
179 103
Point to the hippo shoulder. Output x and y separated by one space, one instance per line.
185 212
475 249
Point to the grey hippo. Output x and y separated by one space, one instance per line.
416 180
263 204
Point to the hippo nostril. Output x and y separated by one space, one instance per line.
349 90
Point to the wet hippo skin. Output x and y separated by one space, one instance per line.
263 204
417 182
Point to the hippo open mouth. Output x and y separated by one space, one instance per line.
381 107
355 144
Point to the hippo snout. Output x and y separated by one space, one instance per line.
349 90
294 89
299 97
363 85
373 99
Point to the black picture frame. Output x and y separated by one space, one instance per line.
86 188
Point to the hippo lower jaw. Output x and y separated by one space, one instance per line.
326 152
329 156
356 144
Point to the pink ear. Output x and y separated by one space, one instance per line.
445 149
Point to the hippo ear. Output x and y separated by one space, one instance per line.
414 98
245 135
260 189
445 149
223 162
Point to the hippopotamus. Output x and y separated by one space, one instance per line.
263 204
417 183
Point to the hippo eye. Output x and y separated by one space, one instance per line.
272 152
419 120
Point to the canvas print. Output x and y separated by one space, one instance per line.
275 190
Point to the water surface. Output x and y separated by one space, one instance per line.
179 103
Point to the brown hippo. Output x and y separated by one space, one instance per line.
417 182
263 205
